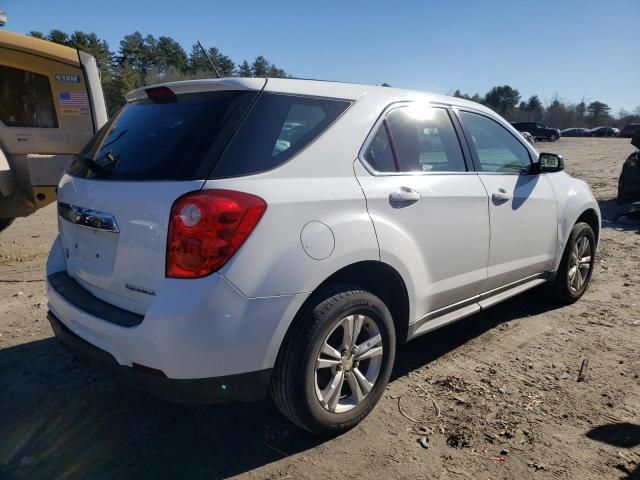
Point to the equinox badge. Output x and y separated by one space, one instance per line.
136 288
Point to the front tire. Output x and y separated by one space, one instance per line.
553 137
335 362
576 267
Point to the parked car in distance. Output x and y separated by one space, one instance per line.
528 137
538 130
604 132
629 181
190 262
630 129
575 132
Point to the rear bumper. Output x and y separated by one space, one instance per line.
193 329
244 387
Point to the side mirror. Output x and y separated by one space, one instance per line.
548 163
635 141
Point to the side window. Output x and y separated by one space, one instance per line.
26 99
300 120
425 140
498 150
379 155
276 129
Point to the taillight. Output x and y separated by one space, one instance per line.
207 228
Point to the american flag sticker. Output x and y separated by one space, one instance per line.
72 99
72 103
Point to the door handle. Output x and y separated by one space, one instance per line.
501 196
403 197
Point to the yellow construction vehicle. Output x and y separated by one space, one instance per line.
51 104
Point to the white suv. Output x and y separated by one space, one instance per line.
223 238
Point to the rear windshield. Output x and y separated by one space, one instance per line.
205 135
175 139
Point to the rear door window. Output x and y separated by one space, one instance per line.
175 139
26 99
379 154
276 129
425 140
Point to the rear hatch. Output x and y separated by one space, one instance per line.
115 202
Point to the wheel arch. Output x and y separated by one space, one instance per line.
591 218
589 215
375 276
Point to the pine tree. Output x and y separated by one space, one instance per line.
275 72
133 51
91 44
244 70
225 66
170 53
126 79
58 36
197 60
260 67
598 113
502 99
36 34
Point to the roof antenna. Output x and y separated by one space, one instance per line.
209 58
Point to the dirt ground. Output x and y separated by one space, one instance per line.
496 395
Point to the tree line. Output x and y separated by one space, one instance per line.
507 101
144 60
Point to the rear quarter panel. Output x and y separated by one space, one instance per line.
273 261
317 184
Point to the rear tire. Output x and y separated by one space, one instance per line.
553 137
324 381
620 199
576 267
5 222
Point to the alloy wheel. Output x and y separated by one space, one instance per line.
348 364
580 263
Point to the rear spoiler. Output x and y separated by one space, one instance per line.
198 86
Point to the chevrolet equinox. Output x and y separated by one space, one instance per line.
225 239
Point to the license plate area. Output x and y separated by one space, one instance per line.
95 254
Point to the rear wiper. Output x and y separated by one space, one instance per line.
107 162
90 163
94 165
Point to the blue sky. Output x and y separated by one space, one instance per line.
576 49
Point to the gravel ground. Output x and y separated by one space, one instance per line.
496 395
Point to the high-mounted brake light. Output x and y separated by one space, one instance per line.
207 228
161 94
